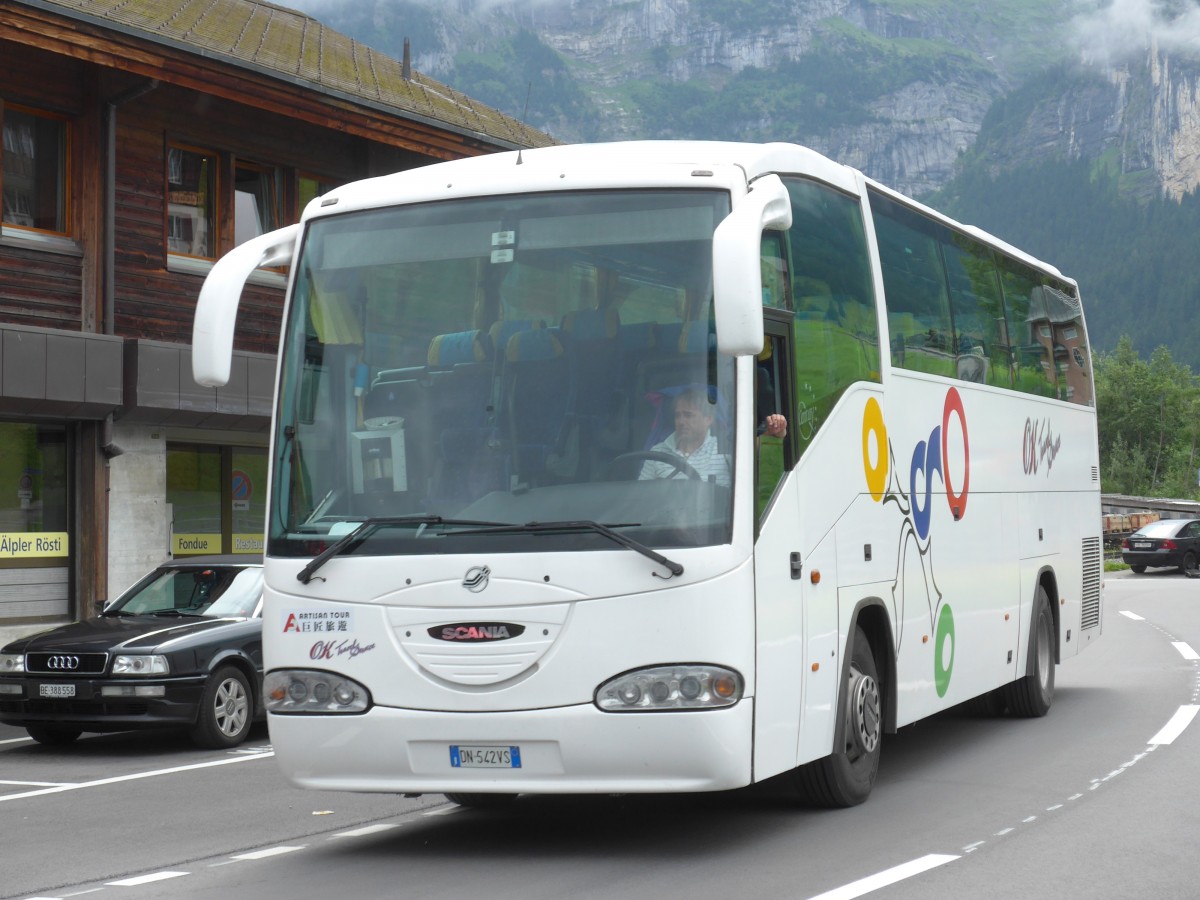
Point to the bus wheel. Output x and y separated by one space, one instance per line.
482 801
1030 697
845 778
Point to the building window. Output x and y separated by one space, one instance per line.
191 204
34 170
255 202
308 188
35 541
217 498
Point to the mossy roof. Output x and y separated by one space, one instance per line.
284 43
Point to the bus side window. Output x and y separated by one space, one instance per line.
772 452
981 352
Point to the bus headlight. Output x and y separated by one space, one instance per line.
311 691
671 687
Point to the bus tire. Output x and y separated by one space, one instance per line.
482 801
1030 697
845 778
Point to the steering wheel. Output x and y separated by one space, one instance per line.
676 462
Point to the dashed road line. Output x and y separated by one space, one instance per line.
365 830
887 877
269 852
1181 720
1130 615
146 879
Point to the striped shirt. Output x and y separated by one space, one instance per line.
705 459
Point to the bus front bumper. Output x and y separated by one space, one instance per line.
573 750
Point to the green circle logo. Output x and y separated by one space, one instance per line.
943 651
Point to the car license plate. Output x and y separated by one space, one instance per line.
56 690
475 756
1141 545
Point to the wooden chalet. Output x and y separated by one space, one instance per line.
142 140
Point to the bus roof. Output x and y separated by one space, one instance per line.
624 164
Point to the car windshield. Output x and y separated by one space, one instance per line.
501 361
209 591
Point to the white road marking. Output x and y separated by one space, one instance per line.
134 777
1127 614
39 783
889 876
263 854
146 879
16 740
366 829
444 811
1184 650
1181 720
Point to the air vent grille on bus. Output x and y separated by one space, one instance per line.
1095 473
1093 569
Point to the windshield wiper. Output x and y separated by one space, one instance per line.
367 526
176 612
586 525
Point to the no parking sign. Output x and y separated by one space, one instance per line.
242 490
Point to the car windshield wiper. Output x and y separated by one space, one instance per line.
577 525
367 526
175 612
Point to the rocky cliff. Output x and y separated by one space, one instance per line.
900 89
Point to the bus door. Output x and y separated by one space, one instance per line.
777 564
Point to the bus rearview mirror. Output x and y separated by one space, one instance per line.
737 270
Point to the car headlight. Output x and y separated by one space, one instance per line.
140 664
660 688
12 663
312 691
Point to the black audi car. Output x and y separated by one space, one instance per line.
182 647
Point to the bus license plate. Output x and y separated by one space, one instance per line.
56 690
475 756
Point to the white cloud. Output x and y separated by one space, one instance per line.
1123 28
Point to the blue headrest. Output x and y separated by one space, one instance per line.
535 344
458 347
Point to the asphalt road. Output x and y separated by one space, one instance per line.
1098 800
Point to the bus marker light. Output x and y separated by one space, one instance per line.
816 666
815 576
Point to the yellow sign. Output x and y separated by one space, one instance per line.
184 544
247 543
33 544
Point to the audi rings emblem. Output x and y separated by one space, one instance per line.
63 663
476 578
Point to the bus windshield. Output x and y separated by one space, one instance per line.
453 368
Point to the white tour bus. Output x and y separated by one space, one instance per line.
530 531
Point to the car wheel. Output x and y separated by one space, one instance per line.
53 735
1137 570
1189 562
225 716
